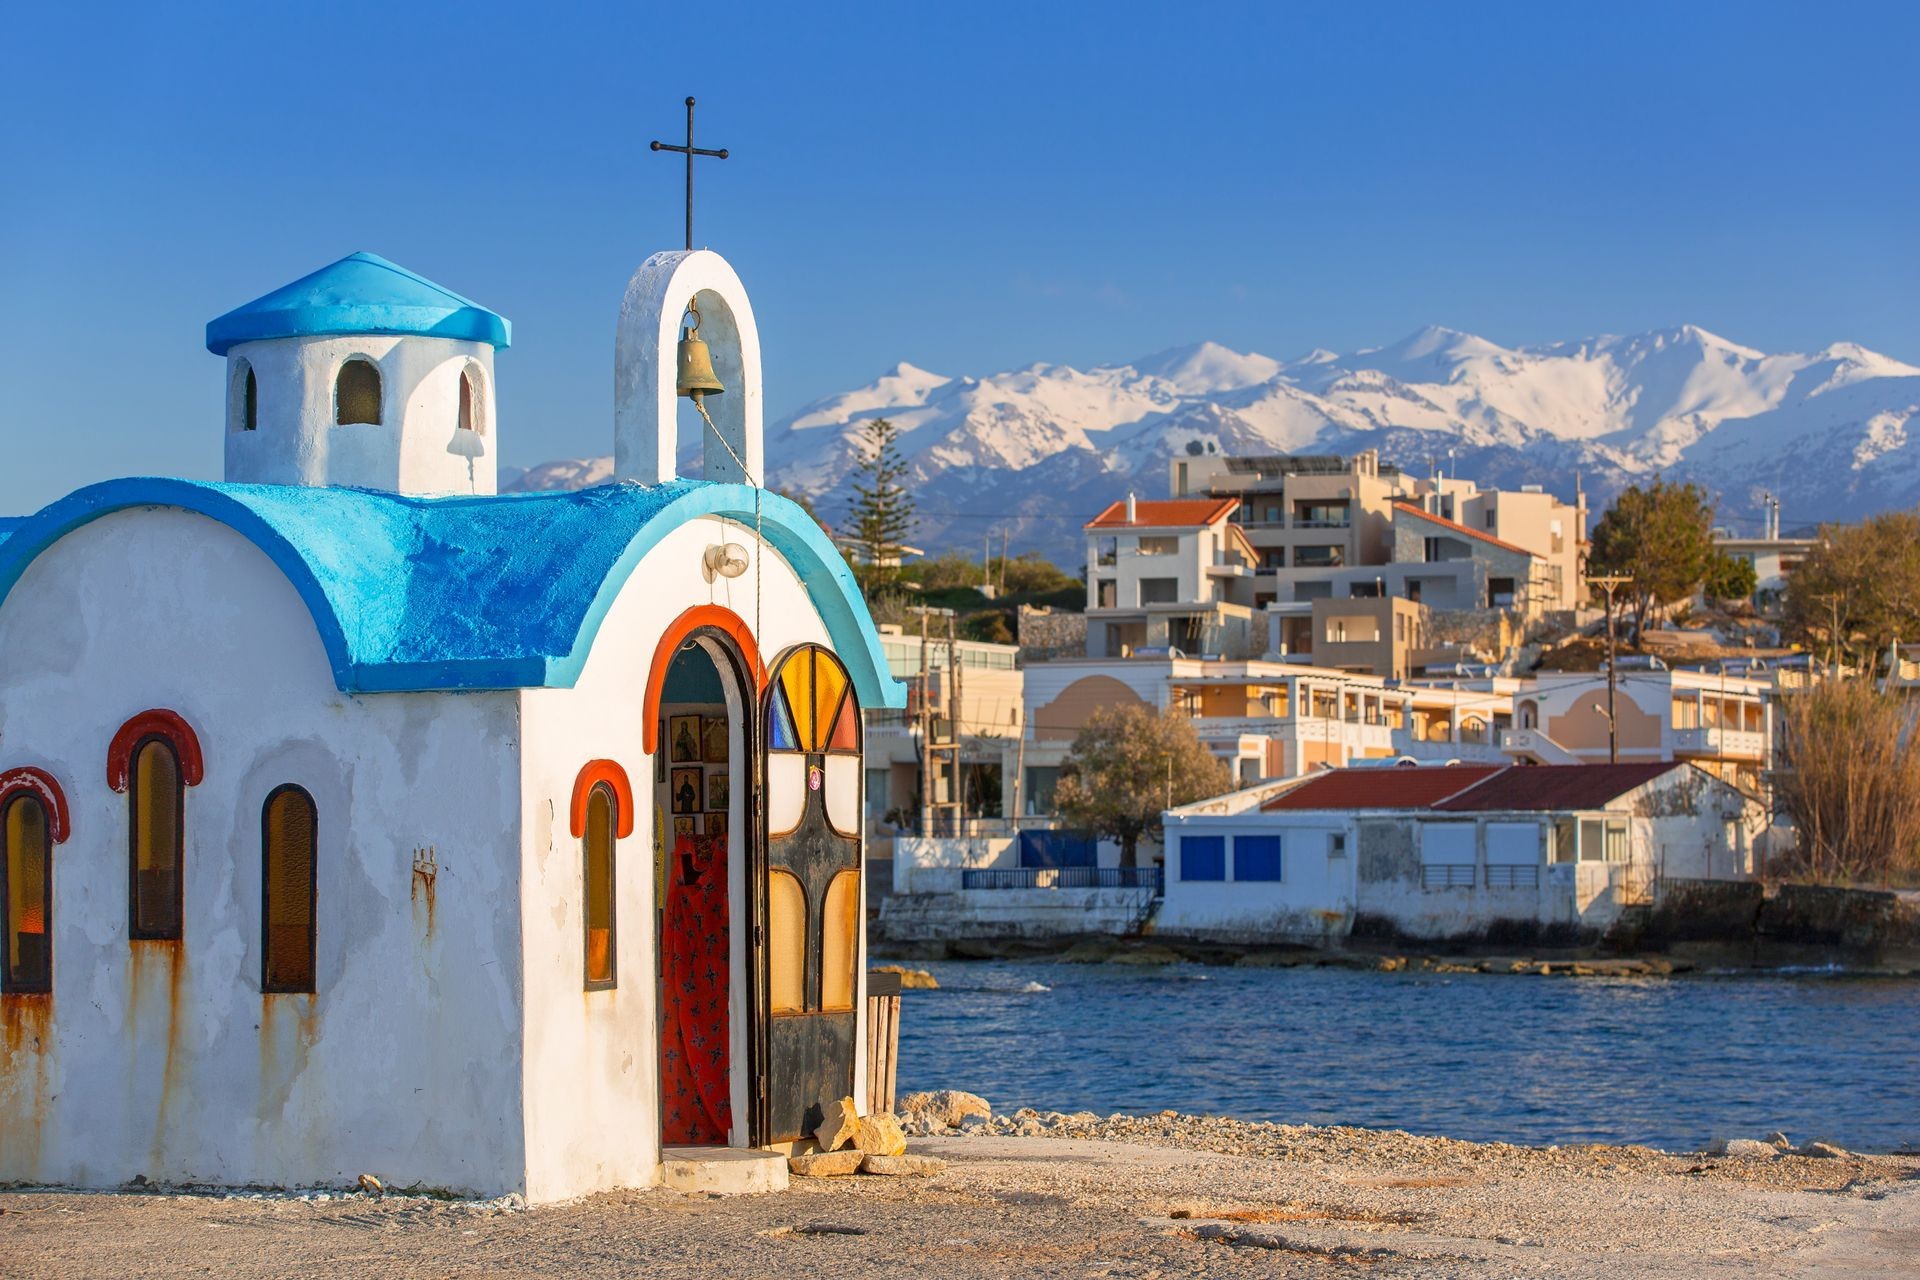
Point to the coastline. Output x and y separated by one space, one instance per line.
1121 1196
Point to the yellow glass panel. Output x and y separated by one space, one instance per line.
839 930
156 841
795 677
828 685
786 942
599 898
28 953
289 906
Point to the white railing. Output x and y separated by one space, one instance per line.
1719 741
1532 742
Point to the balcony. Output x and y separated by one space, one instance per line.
1063 878
1720 743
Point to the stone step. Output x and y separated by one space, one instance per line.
723 1171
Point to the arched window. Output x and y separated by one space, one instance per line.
602 821
154 758
289 849
471 415
244 398
26 887
356 393
156 836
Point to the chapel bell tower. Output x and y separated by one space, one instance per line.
362 375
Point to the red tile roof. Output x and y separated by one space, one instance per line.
1556 787
1445 523
1167 513
1382 787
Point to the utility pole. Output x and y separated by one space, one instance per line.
1610 583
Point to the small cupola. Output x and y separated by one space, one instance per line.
365 375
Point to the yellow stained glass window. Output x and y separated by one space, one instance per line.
786 942
290 829
602 821
27 867
795 677
157 830
828 685
840 930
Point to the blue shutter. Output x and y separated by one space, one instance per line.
1256 857
1203 857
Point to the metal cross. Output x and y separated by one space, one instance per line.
689 151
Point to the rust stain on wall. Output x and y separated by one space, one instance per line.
289 1026
426 877
157 968
26 1048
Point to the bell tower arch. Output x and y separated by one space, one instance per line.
646 343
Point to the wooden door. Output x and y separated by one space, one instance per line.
811 883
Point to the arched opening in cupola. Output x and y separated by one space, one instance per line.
356 393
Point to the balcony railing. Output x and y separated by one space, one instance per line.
1063 878
1748 744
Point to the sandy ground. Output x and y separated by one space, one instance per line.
1189 1197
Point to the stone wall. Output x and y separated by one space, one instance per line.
1052 633
1742 922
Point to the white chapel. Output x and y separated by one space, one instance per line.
356 818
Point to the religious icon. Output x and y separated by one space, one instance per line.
717 790
686 739
686 791
684 827
717 827
715 732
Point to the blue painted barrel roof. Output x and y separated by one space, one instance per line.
361 293
499 592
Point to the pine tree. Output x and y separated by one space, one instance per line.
882 514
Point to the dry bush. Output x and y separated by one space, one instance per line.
1851 785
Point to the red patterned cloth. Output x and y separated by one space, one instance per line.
694 1081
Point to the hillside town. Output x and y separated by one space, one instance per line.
1355 703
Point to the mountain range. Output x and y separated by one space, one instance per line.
1030 454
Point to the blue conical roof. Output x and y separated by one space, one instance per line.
361 293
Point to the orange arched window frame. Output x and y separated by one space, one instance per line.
601 785
721 619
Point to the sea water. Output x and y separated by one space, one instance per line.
1671 1062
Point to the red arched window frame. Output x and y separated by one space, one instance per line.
156 818
602 783
38 786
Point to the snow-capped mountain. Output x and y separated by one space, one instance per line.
1037 451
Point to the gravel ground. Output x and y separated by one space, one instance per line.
1075 1196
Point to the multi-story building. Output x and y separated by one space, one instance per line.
1722 723
1170 575
986 722
1335 527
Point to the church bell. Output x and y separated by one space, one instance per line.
696 377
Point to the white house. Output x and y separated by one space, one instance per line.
356 819
1448 852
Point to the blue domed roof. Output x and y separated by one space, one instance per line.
361 293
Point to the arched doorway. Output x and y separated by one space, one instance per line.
703 842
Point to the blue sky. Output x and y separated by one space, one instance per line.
967 187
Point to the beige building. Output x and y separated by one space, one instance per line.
1345 527
1722 723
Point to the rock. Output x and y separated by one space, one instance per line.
1742 1148
371 1185
840 1126
1026 1113
903 1166
1147 955
976 1124
1269 960
1822 1151
947 1107
1779 1139
825 1164
880 1135
1088 951
910 979
1030 1129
